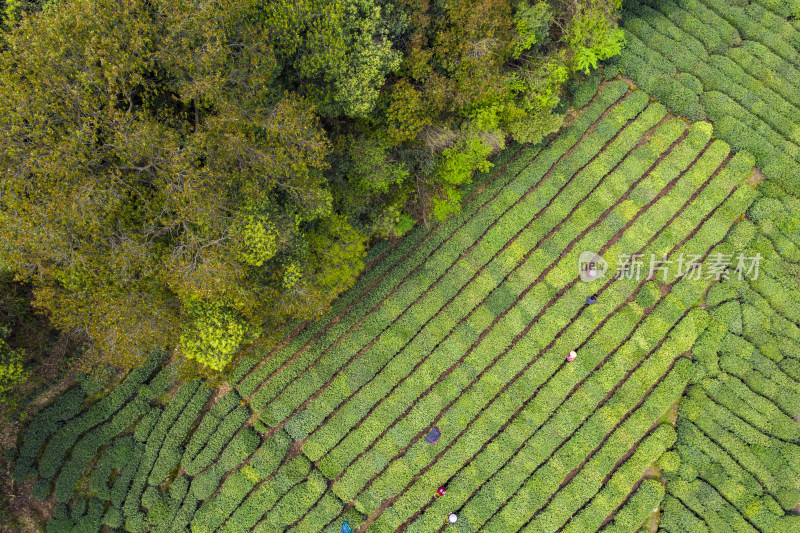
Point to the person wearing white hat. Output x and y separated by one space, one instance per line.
452 518
572 355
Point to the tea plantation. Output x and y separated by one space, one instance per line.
678 414
734 466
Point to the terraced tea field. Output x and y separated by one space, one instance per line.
465 326
736 63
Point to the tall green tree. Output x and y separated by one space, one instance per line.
336 52
194 173
154 180
12 371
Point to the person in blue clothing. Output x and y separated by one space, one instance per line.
591 299
433 436
346 528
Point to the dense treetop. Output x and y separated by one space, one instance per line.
194 173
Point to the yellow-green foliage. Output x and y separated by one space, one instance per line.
258 240
533 22
11 370
240 133
457 165
594 35
214 334
461 161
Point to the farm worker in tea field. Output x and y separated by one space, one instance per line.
346 528
591 299
572 355
433 436
441 491
452 518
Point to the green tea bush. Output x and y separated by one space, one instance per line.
682 57
149 497
683 100
120 488
57 449
242 446
159 384
213 512
752 95
754 57
226 404
244 366
87 447
217 441
180 521
67 405
648 295
540 483
135 522
44 424
699 454
93 384
676 517
146 425
134 519
711 506
200 437
745 22
769 470
639 506
316 519
730 313
61 511
297 502
727 32
270 454
711 39
669 462
266 495
787 10
645 64
168 458
100 474
113 518
78 508
758 117
612 494
585 91
669 30
84 517
171 451
179 488
720 293
161 510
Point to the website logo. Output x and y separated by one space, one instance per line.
591 266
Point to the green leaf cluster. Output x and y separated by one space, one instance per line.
214 335
197 175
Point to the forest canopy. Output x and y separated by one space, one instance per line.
194 173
